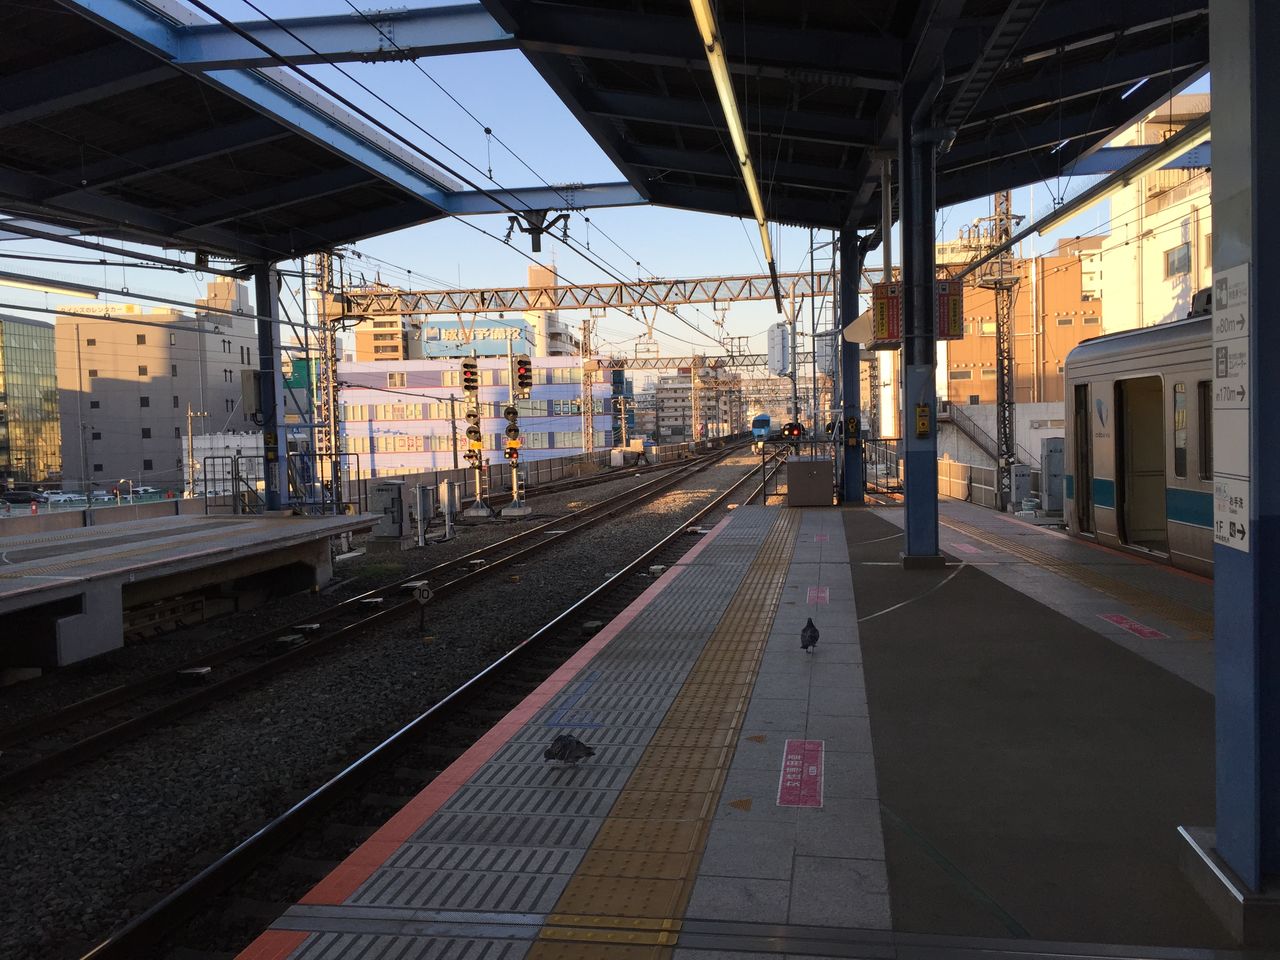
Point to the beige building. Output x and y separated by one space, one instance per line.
551 336
1159 251
126 382
721 409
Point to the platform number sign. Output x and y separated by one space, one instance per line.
1232 408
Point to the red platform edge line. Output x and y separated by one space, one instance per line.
347 877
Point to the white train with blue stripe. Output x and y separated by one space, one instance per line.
1140 442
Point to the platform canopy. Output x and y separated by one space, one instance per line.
150 121
1029 85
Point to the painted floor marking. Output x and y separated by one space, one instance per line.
964 547
1133 626
800 782
821 538
819 595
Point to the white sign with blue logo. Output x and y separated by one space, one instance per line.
1231 408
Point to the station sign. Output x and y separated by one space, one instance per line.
886 313
1232 409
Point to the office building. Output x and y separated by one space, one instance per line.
398 417
132 381
30 451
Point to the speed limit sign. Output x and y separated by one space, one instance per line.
422 594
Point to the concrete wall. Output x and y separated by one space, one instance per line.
20 524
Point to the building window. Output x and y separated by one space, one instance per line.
146 464
1091 321
173 339
146 433
178 463
397 379
177 433
175 402
91 342
988 373
144 401
1177 261
1204 395
142 370
1066 321
1207 256
961 374
92 374
1179 429
142 339
94 404
96 435
173 369
97 468
227 404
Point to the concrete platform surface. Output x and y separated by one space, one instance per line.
956 770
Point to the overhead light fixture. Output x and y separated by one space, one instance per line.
49 288
1134 88
710 32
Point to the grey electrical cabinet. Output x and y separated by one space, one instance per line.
810 482
1053 453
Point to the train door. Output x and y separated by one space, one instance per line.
1083 467
1140 466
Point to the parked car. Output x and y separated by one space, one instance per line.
22 496
145 491
65 498
102 496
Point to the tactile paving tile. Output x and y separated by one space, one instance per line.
570 798
593 775
544 831
659 823
345 946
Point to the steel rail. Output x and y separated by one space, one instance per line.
128 729
146 929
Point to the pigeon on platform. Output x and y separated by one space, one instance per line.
568 749
808 636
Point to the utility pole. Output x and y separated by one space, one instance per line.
328 440
191 449
622 416
453 427
695 399
998 276
588 378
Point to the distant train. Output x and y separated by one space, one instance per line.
760 426
1139 444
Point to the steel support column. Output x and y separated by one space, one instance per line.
275 469
917 170
853 487
1243 851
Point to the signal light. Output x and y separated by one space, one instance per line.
511 413
511 453
524 377
472 457
512 431
470 375
793 431
473 433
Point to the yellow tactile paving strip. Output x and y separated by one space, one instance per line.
632 887
1197 624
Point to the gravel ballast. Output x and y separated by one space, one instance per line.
80 854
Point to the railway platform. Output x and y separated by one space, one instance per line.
967 764
63 594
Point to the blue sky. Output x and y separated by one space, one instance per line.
505 93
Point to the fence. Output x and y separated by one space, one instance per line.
964 481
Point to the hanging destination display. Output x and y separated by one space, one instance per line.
886 313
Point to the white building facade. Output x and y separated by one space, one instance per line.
397 417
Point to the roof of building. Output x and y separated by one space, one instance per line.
9 318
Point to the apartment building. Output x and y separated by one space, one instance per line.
128 378
30 446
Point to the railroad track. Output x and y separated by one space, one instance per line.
390 773
50 744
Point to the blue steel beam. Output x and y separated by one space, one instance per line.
77 80
1111 159
438 31
577 196
278 96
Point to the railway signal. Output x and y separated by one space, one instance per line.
524 377
473 426
512 453
470 375
513 431
793 431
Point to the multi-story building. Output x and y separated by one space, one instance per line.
1159 251
1052 312
132 380
721 407
409 416
551 336
30 450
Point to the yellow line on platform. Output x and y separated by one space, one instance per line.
627 897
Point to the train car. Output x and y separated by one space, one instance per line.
760 427
1139 444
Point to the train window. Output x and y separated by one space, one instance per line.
1178 260
1180 430
1204 391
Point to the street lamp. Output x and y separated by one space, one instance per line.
130 483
